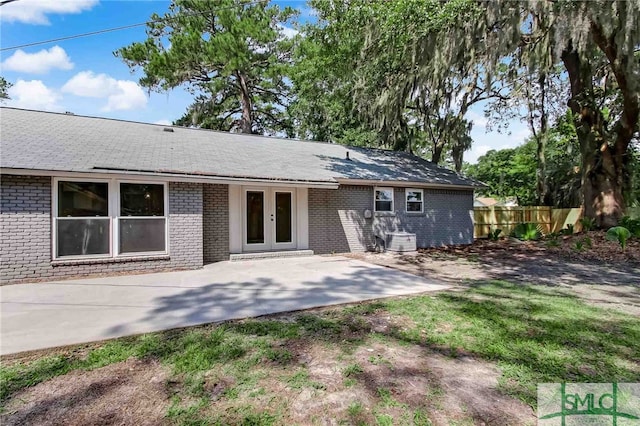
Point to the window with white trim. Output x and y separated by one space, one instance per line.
105 218
383 199
141 220
83 223
415 200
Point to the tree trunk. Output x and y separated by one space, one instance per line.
542 188
436 151
629 121
602 174
457 152
246 121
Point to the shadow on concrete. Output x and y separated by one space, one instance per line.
218 301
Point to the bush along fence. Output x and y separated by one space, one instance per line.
487 219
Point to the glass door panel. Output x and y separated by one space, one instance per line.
269 219
283 217
255 217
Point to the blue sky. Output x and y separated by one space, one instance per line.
82 75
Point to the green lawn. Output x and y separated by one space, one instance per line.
532 334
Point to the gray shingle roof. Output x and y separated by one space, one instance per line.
62 142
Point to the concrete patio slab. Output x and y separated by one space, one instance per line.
58 313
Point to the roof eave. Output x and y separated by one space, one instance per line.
403 183
173 177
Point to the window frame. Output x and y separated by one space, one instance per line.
113 191
383 188
54 222
116 219
406 200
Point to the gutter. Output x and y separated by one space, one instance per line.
171 177
406 184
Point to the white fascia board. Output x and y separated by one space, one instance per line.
163 177
403 184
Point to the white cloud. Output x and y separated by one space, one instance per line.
89 85
163 122
120 94
287 32
521 136
36 11
38 63
482 149
33 94
477 119
307 11
476 152
483 141
128 96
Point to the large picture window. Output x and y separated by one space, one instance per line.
383 199
106 218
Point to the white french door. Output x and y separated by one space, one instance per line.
269 219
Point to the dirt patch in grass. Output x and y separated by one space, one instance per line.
448 389
385 380
130 392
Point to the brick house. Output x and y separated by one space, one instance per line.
83 195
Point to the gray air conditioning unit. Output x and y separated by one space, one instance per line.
400 242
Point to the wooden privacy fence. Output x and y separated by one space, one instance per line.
486 219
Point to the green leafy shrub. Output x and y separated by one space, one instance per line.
619 234
633 225
588 224
527 231
582 244
495 234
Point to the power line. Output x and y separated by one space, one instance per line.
125 27
54 40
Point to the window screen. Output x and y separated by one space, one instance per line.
142 225
384 200
414 200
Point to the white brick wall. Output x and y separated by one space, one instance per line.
25 234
